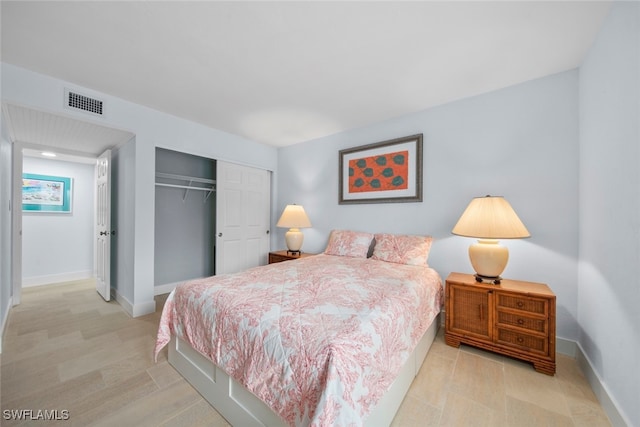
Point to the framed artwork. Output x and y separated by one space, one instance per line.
44 193
383 172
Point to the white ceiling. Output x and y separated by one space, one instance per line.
286 72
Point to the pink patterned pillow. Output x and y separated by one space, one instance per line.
412 250
349 243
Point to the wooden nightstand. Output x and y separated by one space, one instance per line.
279 256
514 318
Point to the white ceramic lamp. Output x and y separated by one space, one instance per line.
294 218
488 219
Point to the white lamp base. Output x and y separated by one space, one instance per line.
294 238
488 259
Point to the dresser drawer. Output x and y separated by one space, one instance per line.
523 303
517 320
530 342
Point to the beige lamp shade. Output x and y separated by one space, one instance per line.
294 217
488 219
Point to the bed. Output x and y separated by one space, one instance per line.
332 339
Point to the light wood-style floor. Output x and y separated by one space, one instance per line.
66 349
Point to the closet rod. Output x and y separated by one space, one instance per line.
186 187
184 178
190 186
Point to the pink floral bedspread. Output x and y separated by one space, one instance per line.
319 339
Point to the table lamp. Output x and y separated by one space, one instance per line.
294 218
488 219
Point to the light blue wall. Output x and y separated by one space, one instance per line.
59 247
520 142
609 274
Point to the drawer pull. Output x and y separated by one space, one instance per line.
520 340
520 322
520 304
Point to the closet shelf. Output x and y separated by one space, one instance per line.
187 183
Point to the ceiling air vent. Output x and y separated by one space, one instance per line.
84 103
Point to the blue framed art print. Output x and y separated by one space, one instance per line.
44 193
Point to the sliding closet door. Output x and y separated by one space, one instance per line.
242 217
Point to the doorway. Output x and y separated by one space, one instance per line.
57 246
33 129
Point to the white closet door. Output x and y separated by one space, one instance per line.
242 217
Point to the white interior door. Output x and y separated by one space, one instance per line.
243 200
103 226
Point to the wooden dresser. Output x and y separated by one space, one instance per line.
279 256
514 318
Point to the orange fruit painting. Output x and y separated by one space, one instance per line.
379 173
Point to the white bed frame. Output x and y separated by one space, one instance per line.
241 408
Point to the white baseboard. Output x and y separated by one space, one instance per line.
5 321
566 347
56 278
124 303
165 289
134 310
609 404
168 287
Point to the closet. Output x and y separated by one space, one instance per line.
211 217
185 215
